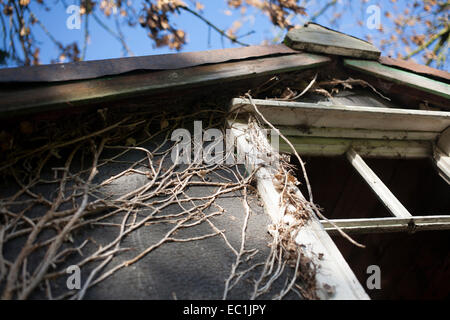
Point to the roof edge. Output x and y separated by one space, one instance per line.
415 67
85 70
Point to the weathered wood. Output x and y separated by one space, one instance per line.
318 146
357 133
400 77
409 65
316 38
334 270
383 193
355 97
83 70
442 163
443 142
309 115
68 95
390 224
441 155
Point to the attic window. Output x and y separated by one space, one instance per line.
353 134
360 131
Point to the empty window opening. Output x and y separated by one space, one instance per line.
339 189
413 266
415 183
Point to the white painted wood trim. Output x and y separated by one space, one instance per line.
442 162
441 155
333 270
383 193
318 146
444 141
373 118
359 133
388 224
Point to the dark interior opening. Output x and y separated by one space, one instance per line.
413 266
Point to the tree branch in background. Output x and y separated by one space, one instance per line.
443 33
221 32
322 11
407 29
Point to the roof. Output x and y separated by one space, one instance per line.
60 86
84 70
415 67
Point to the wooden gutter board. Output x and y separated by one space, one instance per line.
400 77
67 95
84 70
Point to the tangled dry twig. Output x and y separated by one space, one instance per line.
65 186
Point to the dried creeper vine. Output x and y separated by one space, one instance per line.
68 162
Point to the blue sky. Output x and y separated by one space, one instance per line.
103 46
